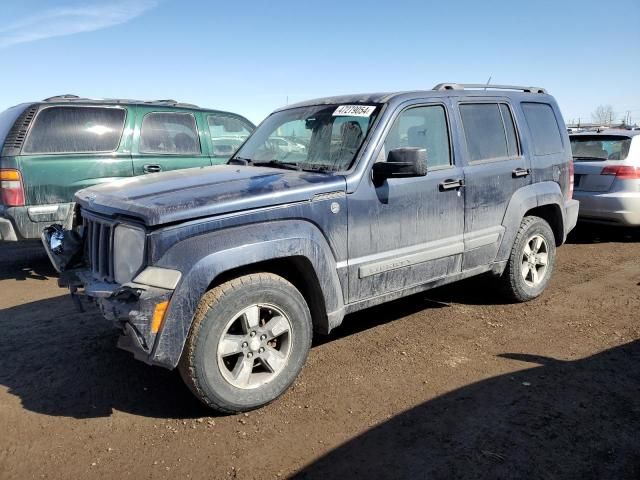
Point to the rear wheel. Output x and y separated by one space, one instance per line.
532 260
249 340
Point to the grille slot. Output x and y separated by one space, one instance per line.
99 245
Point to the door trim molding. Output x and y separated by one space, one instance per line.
408 256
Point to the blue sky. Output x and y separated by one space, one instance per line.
251 56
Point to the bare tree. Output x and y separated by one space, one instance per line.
603 115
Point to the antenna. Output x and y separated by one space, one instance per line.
488 81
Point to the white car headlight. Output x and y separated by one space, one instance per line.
128 247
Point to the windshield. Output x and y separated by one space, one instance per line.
600 147
320 137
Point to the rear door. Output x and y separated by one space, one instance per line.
70 147
166 140
495 169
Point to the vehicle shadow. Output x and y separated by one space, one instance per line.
24 260
586 233
553 419
481 290
378 315
63 363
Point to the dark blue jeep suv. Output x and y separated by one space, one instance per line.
225 271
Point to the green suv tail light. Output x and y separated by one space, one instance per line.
11 189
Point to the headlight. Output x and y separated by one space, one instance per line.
128 247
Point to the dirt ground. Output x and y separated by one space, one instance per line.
451 383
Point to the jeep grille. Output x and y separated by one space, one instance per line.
98 247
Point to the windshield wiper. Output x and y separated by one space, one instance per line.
309 167
278 164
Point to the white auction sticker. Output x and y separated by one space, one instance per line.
354 110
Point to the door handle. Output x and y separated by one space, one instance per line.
520 172
151 168
451 184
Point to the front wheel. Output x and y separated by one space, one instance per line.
532 260
249 340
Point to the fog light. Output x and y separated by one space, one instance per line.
158 316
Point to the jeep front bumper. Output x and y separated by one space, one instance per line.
138 310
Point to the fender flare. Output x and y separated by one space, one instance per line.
523 200
202 258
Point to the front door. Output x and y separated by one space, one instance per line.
405 232
166 140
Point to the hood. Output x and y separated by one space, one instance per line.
192 193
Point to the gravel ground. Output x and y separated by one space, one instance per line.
451 383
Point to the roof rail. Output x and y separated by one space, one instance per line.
67 96
464 86
172 102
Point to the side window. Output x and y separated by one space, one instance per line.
76 130
544 128
169 133
489 131
227 134
510 129
422 127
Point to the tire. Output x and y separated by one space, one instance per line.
519 281
249 340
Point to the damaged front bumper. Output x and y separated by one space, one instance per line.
137 308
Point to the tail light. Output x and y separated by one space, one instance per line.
623 172
11 189
571 181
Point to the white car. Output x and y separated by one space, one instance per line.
285 145
607 176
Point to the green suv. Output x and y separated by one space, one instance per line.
53 148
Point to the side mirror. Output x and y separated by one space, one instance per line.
402 162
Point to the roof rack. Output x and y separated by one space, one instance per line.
464 86
67 96
169 101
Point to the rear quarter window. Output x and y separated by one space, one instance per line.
75 130
7 119
544 129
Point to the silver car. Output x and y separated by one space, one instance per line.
607 176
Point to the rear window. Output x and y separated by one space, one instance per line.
543 127
600 147
489 131
169 133
75 130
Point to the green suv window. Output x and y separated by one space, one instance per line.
227 134
75 130
169 133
